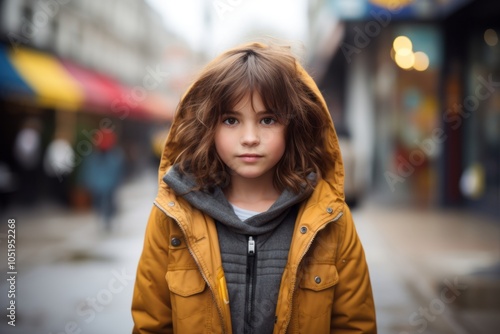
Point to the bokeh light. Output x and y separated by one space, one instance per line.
491 37
421 61
402 45
405 61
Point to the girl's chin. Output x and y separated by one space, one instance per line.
251 175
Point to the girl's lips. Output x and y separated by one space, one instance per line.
249 157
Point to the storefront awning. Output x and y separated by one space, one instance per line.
49 82
100 91
53 86
12 86
108 96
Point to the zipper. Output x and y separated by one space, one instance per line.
251 246
197 263
250 286
300 260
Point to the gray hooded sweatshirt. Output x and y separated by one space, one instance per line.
254 252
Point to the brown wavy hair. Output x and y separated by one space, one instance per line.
271 71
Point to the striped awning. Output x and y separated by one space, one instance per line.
98 89
53 85
46 81
12 85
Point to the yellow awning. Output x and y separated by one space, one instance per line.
53 85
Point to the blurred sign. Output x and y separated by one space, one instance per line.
399 9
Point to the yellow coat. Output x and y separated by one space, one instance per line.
325 288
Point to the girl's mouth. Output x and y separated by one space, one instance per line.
249 157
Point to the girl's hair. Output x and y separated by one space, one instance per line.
272 72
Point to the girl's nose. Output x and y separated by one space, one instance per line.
250 136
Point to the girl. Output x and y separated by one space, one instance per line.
250 232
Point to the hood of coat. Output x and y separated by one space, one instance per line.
331 185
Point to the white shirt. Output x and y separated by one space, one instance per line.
243 214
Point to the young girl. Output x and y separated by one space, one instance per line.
250 232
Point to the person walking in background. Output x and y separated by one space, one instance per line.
58 164
250 232
28 156
101 173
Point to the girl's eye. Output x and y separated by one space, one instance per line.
230 121
268 121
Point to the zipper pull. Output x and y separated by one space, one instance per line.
251 246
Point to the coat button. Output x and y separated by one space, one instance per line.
317 279
329 210
175 242
171 203
303 229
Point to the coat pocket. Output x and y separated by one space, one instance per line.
189 296
316 289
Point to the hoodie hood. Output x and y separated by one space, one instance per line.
333 180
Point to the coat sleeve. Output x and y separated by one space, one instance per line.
151 307
353 308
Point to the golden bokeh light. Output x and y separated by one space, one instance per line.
405 61
421 61
402 45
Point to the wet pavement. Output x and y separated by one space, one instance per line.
423 267
72 277
432 271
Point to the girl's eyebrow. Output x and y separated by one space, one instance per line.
231 112
235 112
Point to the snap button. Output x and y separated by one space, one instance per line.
171 203
317 279
329 210
303 229
175 242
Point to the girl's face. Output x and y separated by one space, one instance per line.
250 141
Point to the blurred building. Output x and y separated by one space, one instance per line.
70 69
414 86
470 95
107 36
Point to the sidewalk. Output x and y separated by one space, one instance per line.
72 277
448 261
46 232
49 233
